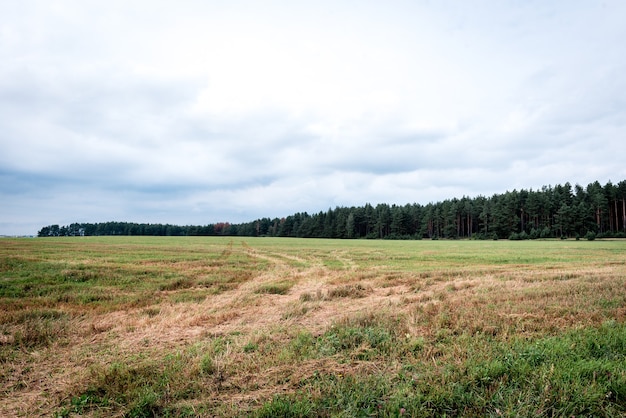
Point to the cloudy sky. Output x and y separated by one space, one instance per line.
195 112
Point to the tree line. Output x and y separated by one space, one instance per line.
550 212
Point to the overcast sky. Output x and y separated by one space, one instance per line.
196 112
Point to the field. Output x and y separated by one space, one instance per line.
181 327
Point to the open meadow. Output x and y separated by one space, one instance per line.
211 326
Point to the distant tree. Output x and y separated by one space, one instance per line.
621 195
350 226
561 210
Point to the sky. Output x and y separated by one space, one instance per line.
196 112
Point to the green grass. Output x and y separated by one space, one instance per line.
580 373
96 272
275 288
174 326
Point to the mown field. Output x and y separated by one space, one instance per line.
181 327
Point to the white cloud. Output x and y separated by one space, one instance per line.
203 111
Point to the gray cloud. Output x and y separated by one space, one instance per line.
202 113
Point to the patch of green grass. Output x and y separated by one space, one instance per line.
349 291
283 406
580 373
177 284
250 347
82 404
364 337
275 288
35 328
334 264
612 303
189 296
149 384
100 272
144 389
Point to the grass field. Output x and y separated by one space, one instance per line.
181 327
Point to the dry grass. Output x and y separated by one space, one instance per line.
229 325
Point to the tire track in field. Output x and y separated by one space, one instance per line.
243 308
316 281
309 302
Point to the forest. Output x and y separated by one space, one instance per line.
560 211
